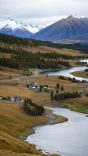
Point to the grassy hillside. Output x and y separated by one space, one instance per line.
22 57
14 122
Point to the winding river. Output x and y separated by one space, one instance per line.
69 138
67 72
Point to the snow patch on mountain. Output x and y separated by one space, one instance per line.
13 24
76 16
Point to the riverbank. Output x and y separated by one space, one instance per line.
52 119
81 73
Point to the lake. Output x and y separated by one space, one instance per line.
68 139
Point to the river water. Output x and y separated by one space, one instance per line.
67 72
69 138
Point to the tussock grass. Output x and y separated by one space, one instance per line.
77 104
45 49
9 153
13 123
53 80
81 73
22 91
13 120
5 55
60 118
47 102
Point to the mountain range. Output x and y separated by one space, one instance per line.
70 28
12 27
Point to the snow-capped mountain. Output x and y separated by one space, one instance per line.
34 28
75 16
70 28
12 27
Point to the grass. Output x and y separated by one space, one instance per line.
80 107
5 55
13 123
13 120
81 73
6 73
53 80
69 41
23 92
60 118
45 49
26 130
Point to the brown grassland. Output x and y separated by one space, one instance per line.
71 41
5 55
51 81
7 73
45 49
14 122
81 73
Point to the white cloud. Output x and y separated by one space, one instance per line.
38 11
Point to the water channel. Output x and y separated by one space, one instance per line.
69 138
67 72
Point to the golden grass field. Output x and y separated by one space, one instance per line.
22 91
6 73
13 120
44 49
19 89
81 73
69 41
5 55
51 81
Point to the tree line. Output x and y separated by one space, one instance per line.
26 59
32 108
64 95
69 79
9 39
9 63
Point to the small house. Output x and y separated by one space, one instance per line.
12 98
1 98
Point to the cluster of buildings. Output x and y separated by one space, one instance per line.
36 86
13 98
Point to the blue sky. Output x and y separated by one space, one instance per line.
42 11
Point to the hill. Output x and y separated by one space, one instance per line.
71 28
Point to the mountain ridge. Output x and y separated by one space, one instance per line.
12 27
72 27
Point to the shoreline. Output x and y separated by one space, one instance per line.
50 121
50 117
